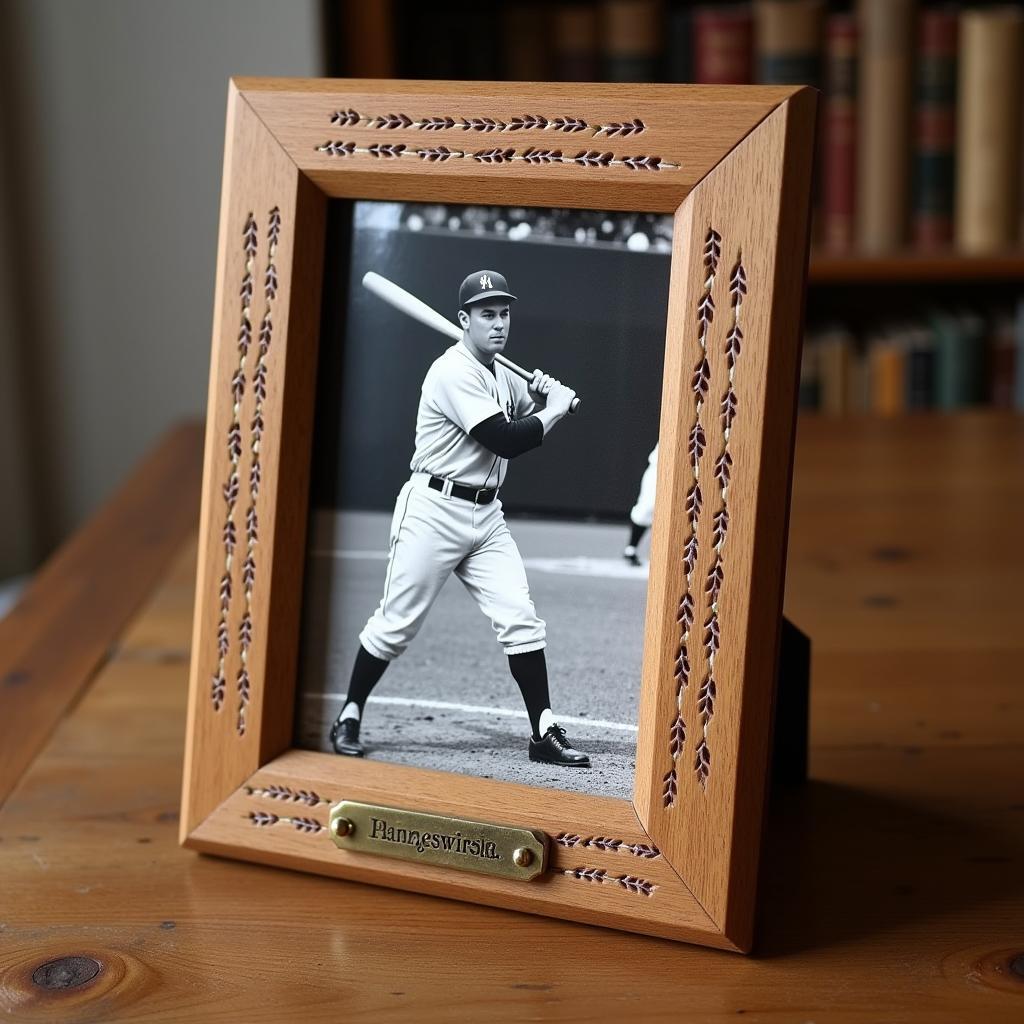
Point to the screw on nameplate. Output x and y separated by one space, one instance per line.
483 847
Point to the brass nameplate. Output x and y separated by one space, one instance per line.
435 839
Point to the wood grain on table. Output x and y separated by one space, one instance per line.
891 886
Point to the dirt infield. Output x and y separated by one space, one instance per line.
449 703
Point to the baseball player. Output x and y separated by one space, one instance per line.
642 513
474 416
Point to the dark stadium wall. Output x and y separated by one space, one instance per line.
592 316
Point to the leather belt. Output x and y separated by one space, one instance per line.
478 497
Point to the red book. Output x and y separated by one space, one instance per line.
1003 363
839 128
723 45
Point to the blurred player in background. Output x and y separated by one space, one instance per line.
642 513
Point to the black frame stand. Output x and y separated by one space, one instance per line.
792 708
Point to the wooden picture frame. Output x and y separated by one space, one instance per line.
733 164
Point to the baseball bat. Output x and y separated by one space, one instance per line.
407 303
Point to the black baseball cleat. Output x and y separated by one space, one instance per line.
345 737
630 555
554 748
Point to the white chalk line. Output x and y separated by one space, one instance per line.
475 709
578 565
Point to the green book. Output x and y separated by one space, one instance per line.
959 359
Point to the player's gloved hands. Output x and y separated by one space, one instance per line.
559 398
539 387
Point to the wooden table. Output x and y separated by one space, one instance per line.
891 886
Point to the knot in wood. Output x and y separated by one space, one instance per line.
66 972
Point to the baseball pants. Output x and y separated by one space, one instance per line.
433 536
642 513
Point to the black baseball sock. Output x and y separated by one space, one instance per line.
530 671
635 534
365 673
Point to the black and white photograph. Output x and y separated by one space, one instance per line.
484 461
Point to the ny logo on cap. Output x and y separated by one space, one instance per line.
485 281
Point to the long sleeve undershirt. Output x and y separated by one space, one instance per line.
509 438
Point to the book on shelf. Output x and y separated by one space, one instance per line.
838 122
1018 366
959 365
679 36
1003 362
918 344
921 113
787 49
835 347
576 43
945 361
787 41
723 44
887 367
526 35
934 128
885 30
809 389
633 36
988 151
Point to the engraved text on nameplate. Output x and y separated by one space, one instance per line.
436 839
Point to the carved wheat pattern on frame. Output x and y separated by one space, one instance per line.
230 489
492 155
563 123
722 472
598 876
259 387
276 792
700 383
264 819
572 840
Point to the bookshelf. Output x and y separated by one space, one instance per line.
920 152
942 266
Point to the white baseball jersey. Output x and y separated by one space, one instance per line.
459 393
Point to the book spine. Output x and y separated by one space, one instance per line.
787 36
1018 363
723 41
920 369
787 44
632 33
858 392
950 368
839 128
680 45
885 31
935 129
526 36
888 390
1002 364
576 43
809 395
976 358
834 372
989 136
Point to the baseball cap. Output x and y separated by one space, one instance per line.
483 284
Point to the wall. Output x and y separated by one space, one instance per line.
592 316
116 136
